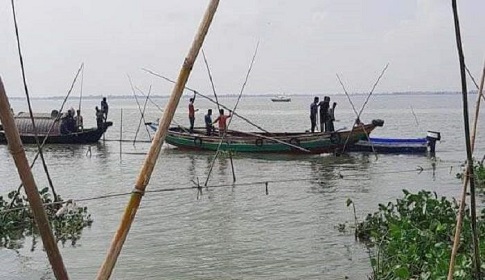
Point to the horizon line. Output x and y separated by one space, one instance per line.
126 96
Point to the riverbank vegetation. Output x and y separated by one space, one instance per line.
412 238
17 222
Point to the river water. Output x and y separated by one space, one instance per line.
239 232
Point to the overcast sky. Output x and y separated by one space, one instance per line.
303 44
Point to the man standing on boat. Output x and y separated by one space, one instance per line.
331 117
313 113
79 121
99 118
104 108
324 106
192 111
222 121
208 123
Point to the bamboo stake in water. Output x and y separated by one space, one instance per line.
142 113
461 210
152 156
121 132
469 169
35 201
218 109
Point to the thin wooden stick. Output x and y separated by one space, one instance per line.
415 117
35 201
139 108
154 152
81 91
373 88
232 168
48 133
161 111
218 108
477 107
121 131
469 173
461 210
358 116
211 80
142 117
26 89
234 109
208 98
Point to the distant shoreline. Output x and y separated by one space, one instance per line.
88 97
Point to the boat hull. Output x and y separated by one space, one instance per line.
391 145
281 100
87 136
301 143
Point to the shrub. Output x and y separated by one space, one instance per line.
17 220
412 238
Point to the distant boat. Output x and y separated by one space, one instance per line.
48 125
281 98
260 142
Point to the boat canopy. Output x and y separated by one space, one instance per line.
43 123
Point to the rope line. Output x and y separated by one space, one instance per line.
197 186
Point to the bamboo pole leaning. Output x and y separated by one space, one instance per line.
152 156
469 167
208 98
218 109
35 201
461 210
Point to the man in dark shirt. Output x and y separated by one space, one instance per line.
208 123
313 113
324 106
104 108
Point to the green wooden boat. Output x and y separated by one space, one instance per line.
260 142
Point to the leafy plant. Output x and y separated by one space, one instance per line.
17 221
412 238
478 171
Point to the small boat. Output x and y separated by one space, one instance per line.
261 142
397 145
281 98
49 126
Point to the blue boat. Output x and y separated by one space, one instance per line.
398 145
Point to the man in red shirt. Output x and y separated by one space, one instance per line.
192 111
222 121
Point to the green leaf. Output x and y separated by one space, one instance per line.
402 272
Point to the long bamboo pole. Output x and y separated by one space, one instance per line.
35 202
477 107
461 210
152 156
208 98
142 117
469 172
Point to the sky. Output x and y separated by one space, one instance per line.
302 45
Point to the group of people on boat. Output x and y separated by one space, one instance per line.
221 120
326 114
72 121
